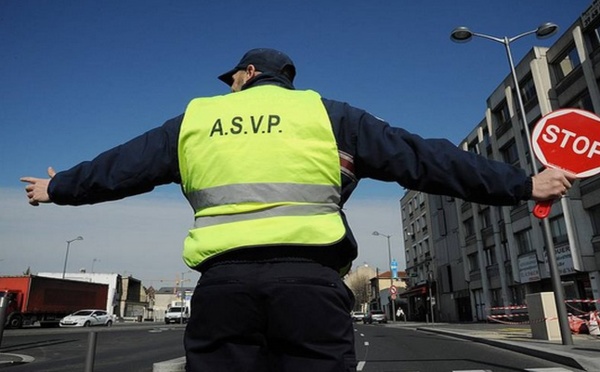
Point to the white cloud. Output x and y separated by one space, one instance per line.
143 236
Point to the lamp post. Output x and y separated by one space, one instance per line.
392 301
183 305
93 263
67 254
463 35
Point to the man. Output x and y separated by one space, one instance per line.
267 170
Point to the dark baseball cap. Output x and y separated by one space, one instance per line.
265 60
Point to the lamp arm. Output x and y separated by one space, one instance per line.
493 38
510 40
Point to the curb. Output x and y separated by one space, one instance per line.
553 356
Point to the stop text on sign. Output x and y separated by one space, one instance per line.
578 144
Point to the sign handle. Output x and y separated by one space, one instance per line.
542 209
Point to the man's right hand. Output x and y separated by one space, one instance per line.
37 188
550 184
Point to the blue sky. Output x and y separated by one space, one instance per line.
78 77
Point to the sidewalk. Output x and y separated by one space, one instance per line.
584 354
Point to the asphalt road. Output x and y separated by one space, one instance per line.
129 347
386 349
136 347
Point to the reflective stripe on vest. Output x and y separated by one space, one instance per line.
260 167
263 193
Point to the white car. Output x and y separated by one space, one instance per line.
87 318
357 316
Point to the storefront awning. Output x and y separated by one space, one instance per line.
415 291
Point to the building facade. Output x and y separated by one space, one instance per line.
483 258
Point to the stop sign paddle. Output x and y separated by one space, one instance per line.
567 139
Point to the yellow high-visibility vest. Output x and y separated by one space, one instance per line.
259 167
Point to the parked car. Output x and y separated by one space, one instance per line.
87 318
375 316
357 316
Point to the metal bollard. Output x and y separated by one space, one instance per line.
91 352
3 306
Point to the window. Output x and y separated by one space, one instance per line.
527 143
441 222
421 198
506 251
472 147
473 262
595 217
490 255
523 240
567 63
502 114
593 38
496 295
583 102
485 218
425 245
528 92
558 229
469 227
485 141
510 154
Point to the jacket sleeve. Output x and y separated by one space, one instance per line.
132 168
434 166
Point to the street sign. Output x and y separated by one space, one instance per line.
567 139
393 290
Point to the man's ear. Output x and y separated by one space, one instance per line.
251 71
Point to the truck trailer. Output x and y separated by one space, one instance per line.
33 298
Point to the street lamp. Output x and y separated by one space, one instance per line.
377 233
67 254
94 262
463 35
182 300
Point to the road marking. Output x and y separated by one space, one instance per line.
24 359
362 335
552 369
472 370
360 366
366 343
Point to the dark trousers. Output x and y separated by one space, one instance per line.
270 316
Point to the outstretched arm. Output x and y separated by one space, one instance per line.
37 188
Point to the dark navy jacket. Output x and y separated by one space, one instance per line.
368 146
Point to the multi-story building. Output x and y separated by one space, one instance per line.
484 257
419 254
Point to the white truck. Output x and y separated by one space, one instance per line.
178 312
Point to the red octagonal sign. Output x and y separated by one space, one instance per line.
568 139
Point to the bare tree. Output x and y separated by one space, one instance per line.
359 283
